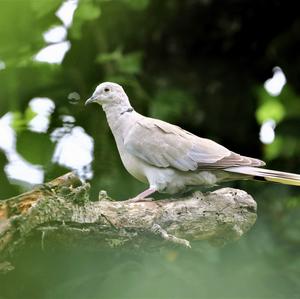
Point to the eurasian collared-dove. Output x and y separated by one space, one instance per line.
169 158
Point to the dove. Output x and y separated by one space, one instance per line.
170 159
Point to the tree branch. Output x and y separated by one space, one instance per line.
62 210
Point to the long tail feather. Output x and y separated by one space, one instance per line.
267 175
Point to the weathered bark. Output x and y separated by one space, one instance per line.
62 210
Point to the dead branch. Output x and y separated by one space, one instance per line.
62 210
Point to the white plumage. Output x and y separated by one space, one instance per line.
169 158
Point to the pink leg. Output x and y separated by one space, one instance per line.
142 196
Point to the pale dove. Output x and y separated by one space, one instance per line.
168 158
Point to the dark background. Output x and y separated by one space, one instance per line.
200 64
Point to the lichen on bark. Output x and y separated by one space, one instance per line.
62 210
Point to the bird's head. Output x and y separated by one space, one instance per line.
108 93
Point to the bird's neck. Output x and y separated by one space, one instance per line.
118 116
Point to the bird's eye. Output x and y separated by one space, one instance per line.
106 89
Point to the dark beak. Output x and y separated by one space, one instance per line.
90 100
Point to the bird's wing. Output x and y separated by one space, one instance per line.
165 145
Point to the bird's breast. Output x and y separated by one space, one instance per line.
134 166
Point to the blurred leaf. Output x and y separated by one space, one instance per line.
17 120
109 57
273 150
36 148
270 110
55 170
289 127
269 107
291 101
20 121
42 8
6 189
86 11
293 202
29 115
20 35
282 146
170 104
137 4
130 63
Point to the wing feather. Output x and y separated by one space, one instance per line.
165 145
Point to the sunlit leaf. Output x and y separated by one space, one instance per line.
29 115
270 110
17 120
20 120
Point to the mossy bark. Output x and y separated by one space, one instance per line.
62 210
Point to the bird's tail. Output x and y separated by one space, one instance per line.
263 174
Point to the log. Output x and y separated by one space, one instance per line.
62 210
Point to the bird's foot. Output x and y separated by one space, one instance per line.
142 197
139 199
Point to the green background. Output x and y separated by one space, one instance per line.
200 64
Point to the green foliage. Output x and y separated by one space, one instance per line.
193 63
85 12
274 150
122 63
285 105
6 190
19 32
21 120
170 104
137 4
43 8
36 148
286 147
291 101
281 109
270 110
131 63
270 107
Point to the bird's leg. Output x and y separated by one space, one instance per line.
142 196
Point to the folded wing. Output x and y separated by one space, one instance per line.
165 145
